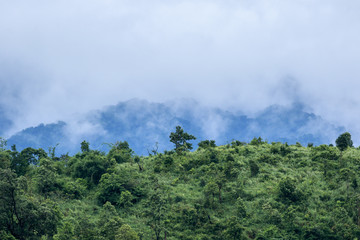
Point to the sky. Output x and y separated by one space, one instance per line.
63 58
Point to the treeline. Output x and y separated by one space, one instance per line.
254 190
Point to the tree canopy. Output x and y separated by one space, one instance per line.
255 190
344 141
180 139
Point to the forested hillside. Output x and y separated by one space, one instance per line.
255 190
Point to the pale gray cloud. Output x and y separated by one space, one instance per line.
58 58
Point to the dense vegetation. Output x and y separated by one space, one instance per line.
255 190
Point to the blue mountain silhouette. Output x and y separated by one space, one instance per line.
147 125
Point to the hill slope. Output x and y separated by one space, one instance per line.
238 191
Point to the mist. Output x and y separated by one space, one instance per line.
59 59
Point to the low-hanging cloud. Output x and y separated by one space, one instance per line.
58 58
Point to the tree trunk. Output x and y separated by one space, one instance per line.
220 199
140 167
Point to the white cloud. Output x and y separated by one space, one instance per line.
63 57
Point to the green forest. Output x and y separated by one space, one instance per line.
255 190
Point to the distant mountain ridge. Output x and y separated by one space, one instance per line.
146 125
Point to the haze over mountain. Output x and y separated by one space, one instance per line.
147 125
62 58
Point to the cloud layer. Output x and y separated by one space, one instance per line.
59 58
147 125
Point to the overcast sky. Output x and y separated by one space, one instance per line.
58 58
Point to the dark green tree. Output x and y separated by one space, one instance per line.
137 160
254 168
121 152
180 139
125 199
20 162
240 208
207 144
113 184
5 159
109 221
65 232
89 166
46 177
23 215
210 191
256 141
85 228
85 146
6 236
157 209
288 192
233 229
126 233
344 141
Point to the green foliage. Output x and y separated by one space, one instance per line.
126 233
237 191
24 215
325 152
121 152
90 166
254 168
74 189
233 229
20 162
112 186
210 191
46 177
156 213
5 159
126 199
6 235
137 160
180 139
256 141
237 143
344 141
207 144
240 208
288 191
271 232
85 228
52 152
85 146
65 232
109 222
